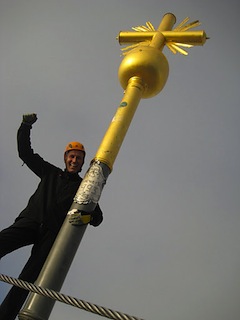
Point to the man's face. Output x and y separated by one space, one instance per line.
74 160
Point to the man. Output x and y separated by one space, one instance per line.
40 221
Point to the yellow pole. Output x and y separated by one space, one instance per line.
167 23
141 72
112 141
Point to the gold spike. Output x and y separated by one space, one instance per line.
191 25
128 48
185 53
186 45
150 26
145 28
181 24
135 28
171 48
140 28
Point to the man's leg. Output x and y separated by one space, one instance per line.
20 234
16 297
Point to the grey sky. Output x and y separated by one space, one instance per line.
169 245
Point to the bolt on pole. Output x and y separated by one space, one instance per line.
142 73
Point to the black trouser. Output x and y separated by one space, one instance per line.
24 232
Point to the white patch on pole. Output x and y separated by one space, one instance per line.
91 187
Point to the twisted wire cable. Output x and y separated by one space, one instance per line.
81 304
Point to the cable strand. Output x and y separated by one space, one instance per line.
81 304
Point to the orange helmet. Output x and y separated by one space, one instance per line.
74 145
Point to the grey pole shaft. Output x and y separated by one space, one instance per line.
66 244
54 271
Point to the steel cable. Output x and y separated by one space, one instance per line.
87 306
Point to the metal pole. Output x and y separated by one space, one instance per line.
54 271
66 244
142 74
63 251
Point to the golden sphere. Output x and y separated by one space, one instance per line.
149 64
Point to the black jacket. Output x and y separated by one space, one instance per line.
56 190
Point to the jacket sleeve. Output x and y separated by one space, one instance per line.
26 153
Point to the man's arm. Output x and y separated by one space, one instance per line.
23 136
26 153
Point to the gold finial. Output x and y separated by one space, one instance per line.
174 40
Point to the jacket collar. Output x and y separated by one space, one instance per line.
72 176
